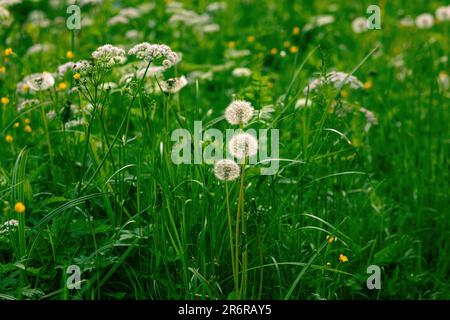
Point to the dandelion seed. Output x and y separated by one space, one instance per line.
339 79
226 170
19 207
243 145
9 138
343 258
239 112
424 21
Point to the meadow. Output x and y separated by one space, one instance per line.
95 205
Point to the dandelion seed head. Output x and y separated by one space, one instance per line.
424 21
239 112
39 81
226 170
173 85
243 145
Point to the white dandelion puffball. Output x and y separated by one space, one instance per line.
424 21
359 25
109 55
226 170
239 112
151 52
443 13
62 69
241 72
243 145
40 81
337 78
174 85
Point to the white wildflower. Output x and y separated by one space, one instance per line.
109 55
154 52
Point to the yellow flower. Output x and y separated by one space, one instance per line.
8 51
273 51
9 138
70 55
77 76
368 84
343 258
62 86
251 39
2 69
293 49
16 125
296 31
27 121
344 94
286 44
19 207
5 100
28 129
25 87
231 44
331 239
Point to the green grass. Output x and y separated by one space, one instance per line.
106 196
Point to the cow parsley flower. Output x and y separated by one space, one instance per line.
239 112
226 170
154 53
243 145
109 55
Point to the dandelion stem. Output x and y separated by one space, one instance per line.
235 275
